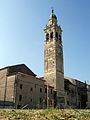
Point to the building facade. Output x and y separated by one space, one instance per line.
21 88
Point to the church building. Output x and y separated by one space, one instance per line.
21 88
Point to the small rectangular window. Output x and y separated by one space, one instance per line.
51 91
31 99
20 97
40 100
21 86
45 90
31 89
40 89
67 102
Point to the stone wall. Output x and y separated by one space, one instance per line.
6 89
3 82
29 91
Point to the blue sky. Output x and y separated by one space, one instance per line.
22 37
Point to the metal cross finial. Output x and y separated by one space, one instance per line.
52 10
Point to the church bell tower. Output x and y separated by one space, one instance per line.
53 56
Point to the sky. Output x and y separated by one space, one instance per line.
22 36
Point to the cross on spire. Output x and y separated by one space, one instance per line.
52 10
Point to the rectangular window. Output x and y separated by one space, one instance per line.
40 89
20 97
31 89
31 99
45 90
21 86
40 100
51 91
67 102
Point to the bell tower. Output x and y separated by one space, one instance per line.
53 56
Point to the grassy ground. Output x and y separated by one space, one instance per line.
47 114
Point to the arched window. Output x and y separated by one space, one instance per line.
60 38
56 35
51 35
47 36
